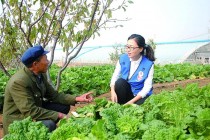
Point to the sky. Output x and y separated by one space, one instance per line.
162 21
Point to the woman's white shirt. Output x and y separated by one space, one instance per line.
134 65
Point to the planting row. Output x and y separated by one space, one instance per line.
177 115
78 80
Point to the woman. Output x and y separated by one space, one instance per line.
132 79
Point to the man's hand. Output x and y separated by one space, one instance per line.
87 97
61 115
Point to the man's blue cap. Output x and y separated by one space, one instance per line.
31 54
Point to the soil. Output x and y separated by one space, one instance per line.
157 89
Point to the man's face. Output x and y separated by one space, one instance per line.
42 64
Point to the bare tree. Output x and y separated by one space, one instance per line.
56 23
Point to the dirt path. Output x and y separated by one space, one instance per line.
157 89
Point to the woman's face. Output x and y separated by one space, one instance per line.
133 50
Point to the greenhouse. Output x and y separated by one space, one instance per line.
165 53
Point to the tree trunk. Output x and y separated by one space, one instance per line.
4 70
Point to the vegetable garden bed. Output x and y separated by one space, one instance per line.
179 114
99 77
157 89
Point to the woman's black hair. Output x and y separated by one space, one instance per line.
147 49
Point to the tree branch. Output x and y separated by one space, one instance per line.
4 70
50 24
38 19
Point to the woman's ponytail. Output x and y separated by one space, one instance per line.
149 52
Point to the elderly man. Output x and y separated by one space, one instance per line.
28 93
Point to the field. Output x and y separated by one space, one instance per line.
157 89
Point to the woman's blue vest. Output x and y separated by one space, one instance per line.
137 79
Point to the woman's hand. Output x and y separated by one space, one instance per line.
135 99
129 102
113 96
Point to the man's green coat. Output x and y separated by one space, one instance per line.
24 96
